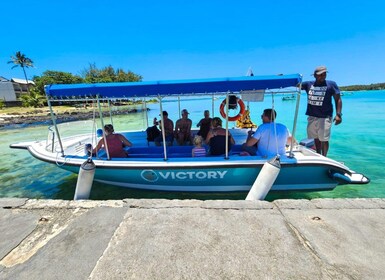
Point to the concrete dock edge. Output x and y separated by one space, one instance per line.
192 239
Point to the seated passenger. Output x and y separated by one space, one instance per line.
168 130
198 150
216 138
115 143
183 129
204 125
269 139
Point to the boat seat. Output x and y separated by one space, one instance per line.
146 152
179 151
235 149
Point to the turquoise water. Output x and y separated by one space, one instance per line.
357 142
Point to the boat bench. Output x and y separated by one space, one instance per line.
172 151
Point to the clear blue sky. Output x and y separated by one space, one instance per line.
166 40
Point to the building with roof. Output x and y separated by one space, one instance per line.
11 90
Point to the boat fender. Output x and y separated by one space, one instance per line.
340 178
85 179
265 180
234 118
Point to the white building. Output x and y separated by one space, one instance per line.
12 89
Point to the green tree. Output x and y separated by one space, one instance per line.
33 99
24 62
108 74
50 77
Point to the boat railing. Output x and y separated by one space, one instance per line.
50 144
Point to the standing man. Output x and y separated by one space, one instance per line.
320 108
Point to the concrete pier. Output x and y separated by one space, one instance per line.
192 239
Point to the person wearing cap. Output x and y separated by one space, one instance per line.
182 131
320 108
115 143
168 130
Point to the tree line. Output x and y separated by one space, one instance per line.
91 74
378 86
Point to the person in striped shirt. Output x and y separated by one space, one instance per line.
198 150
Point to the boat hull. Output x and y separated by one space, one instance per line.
150 168
212 179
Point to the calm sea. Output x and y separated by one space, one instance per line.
358 142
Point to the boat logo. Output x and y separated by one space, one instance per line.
149 175
152 176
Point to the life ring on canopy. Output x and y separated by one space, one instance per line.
237 117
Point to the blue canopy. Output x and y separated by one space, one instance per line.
178 87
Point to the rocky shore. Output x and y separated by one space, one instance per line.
41 117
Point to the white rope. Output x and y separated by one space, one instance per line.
60 164
275 124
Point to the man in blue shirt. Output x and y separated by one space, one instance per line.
320 108
269 139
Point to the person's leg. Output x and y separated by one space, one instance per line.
325 148
169 140
312 132
250 149
324 134
318 145
180 139
157 140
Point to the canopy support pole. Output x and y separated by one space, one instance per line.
109 108
179 110
162 126
53 117
104 133
295 120
227 127
145 109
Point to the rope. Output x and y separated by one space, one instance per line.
272 119
56 161
94 127
275 124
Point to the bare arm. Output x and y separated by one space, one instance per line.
98 146
177 124
251 141
338 102
189 127
209 136
125 141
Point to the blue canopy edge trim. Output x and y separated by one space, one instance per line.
173 87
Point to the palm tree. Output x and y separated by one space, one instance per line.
24 62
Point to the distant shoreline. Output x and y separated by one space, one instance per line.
12 121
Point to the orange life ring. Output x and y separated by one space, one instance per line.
241 111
